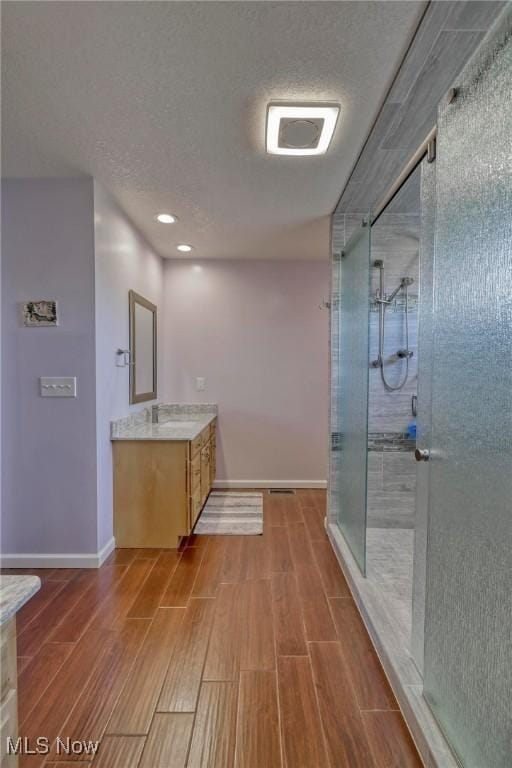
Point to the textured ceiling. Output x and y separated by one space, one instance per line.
164 103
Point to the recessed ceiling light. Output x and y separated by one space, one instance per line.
166 218
300 129
184 248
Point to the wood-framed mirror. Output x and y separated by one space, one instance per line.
143 349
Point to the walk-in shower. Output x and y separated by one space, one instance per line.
426 545
383 302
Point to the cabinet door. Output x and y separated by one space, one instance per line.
151 493
205 472
195 505
195 473
8 694
213 460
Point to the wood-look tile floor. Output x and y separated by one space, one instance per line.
233 651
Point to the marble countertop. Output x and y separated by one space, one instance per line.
164 422
165 431
14 593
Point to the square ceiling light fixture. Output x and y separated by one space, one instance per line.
300 129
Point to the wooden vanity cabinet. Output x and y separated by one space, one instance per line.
160 488
8 693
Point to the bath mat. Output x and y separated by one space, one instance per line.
231 514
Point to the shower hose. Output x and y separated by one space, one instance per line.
382 327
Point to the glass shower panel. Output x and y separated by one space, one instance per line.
354 290
468 618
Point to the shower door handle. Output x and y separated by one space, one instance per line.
422 454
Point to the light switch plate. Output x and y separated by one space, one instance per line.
57 386
200 383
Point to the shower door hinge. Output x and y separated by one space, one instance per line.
431 150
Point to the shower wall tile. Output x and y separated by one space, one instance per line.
391 486
434 20
390 509
405 199
389 411
399 472
375 470
451 48
364 169
395 240
390 442
477 14
447 35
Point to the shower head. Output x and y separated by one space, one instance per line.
378 263
404 282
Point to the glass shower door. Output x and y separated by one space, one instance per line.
353 356
468 616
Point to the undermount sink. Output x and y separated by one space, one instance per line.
179 424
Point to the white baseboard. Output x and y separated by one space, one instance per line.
58 560
105 551
270 484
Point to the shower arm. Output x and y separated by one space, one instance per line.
403 282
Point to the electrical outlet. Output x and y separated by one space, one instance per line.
200 383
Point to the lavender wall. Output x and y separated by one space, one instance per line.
253 329
123 261
49 445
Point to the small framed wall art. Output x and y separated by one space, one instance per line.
42 312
